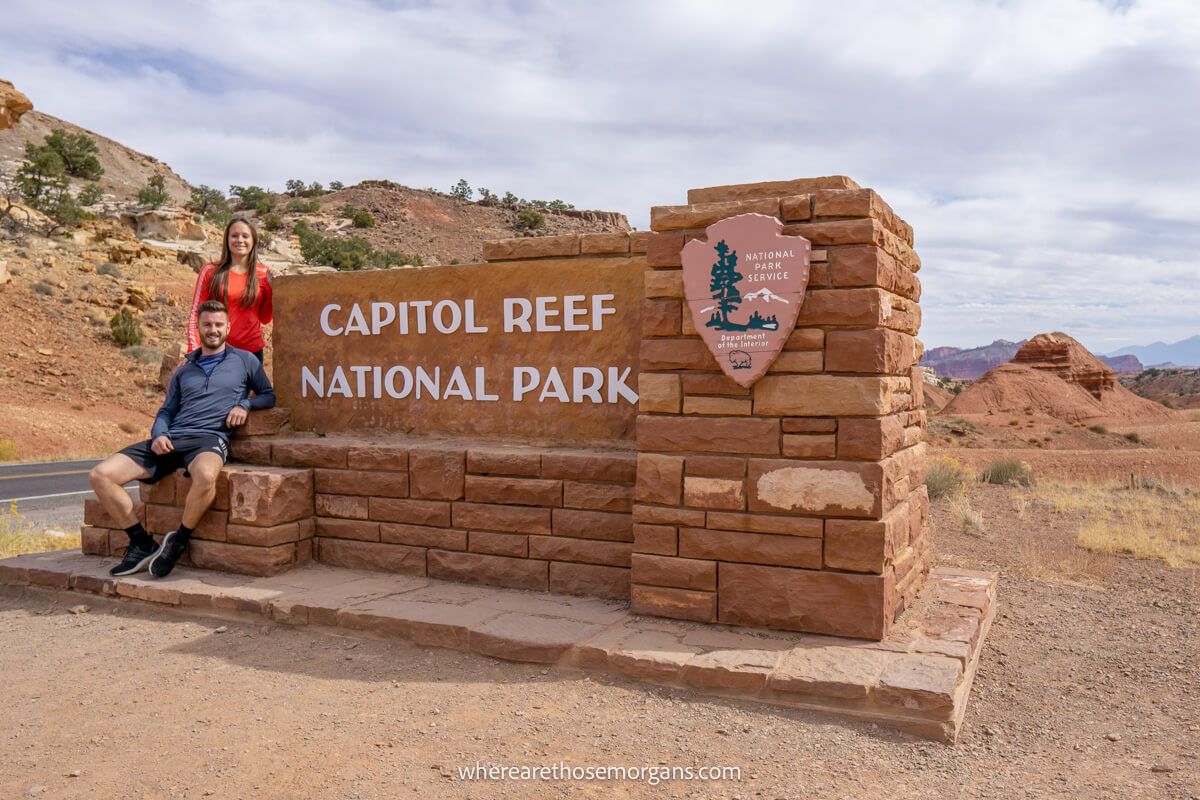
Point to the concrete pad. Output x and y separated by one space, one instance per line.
918 679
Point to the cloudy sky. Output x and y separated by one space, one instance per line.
1044 151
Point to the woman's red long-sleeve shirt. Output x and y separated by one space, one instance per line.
245 323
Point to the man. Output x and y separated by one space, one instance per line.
208 396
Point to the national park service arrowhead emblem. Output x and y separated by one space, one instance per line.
744 284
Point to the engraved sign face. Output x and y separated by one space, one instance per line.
744 285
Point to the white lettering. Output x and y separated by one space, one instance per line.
572 311
439 318
338 383
457 386
471 326
315 382
357 322
581 389
361 374
389 382
600 311
325 312
381 314
511 321
481 392
429 383
421 306
554 387
524 379
544 312
617 387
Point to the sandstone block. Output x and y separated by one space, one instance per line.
834 603
713 383
664 283
517 573
341 505
749 191
263 422
662 354
870 437
750 548
359 529
713 434
95 515
532 247
797 208
94 541
809 425
163 519
657 515
374 556
639 241
659 479
848 231
715 466
715 493
590 466
661 601
422 536
879 351
514 491
798 361
611 526
828 488
509 519
604 243
162 492
765 523
665 249
416 512
355 482
588 551
805 339
681 573
220 501
661 318
437 474
718 406
504 462
655 539
870 266
848 673
309 453
598 496
827 395
267 496
242 559
659 393
743 670
810 445
700 215
514 545
378 457
592 580
255 536
249 451
920 682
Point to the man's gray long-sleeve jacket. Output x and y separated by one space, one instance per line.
199 403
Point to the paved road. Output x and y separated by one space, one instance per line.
49 493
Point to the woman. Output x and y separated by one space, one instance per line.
241 283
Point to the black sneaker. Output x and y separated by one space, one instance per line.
173 545
137 557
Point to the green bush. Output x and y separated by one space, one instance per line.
272 222
461 190
41 181
1007 472
946 477
303 206
253 198
90 194
336 186
142 354
126 329
210 204
362 219
1134 436
530 220
154 193
43 288
78 153
353 253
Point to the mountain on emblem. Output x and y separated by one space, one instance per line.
745 261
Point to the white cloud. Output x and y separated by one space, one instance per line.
1045 152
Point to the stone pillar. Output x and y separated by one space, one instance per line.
797 503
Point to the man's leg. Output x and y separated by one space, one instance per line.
108 482
204 469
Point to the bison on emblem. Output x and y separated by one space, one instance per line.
740 359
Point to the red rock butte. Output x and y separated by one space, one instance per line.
1057 376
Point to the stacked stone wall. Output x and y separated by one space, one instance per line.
797 503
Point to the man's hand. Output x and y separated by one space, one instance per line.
237 415
162 445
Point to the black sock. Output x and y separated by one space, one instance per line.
137 534
185 531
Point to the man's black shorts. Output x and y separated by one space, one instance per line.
187 447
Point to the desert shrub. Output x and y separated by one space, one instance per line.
530 220
360 218
154 193
43 288
126 329
970 519
303 206
210 204
272 222
41 181
1007 472
336 186
109 269
253 198
486 198
8 450
1133 436
90 194
19 535
461 190
1098 429
142 354
294 187
78 153
510 199
353 253
946 477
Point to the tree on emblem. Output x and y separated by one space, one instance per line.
725 279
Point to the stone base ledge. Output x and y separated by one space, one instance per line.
917 679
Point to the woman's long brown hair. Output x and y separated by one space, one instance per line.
218 283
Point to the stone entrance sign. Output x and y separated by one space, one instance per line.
544 350
745 283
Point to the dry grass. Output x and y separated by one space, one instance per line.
970 519
1050 558
8 450
1144 523
18 535
946 477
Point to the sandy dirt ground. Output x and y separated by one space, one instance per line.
1089 687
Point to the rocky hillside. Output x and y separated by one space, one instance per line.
1054 375
1176 388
